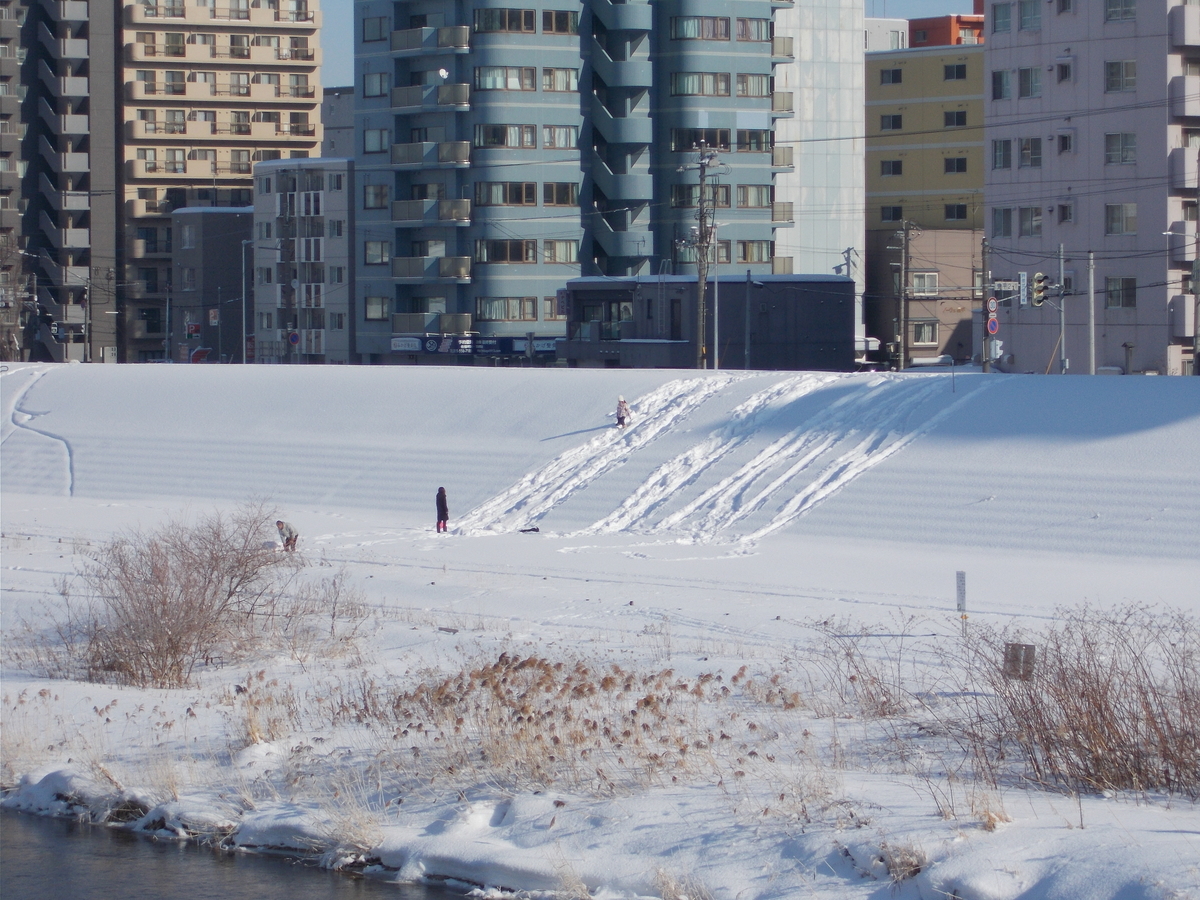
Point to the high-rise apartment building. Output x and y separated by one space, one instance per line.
503 151
1093 131
136 110
14 288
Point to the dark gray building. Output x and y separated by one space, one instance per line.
788 322
211 309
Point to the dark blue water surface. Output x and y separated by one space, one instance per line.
56 859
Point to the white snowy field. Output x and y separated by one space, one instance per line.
741 525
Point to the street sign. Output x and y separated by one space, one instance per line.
992 304
993 326
293 339
1023 281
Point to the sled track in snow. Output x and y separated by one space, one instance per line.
538 492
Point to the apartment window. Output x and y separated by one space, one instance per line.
1030 15
1065 6
504 20
754 30
376 140
522 137
1066 213
265 321
1030 153
560 21
755 196
925 333
1029 82
337 321
561 251
1066 143
1030 218
920 37
187 237
687 196
754 141
265 230
375 84
954 165
891 213
1066 70
1120 293
1002 154
683 139
1120 218
956 212
891 123
560 136
264 185
954 118
377 253
239 162
889 167
505 78
506 193
1002 223
700 28
175 83
754 85
686 253
925 283
335 181
1002 84
187 278
550 309
700 84
335 228
1001 17
375 28
560 80
1117 10
506 251
560 193
265 275
506 309
1120 149
1120 76
956 72
375 309
755 251
375 196
891 76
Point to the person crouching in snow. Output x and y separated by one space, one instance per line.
623 413
288 535
443 511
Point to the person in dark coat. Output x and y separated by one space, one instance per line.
443 510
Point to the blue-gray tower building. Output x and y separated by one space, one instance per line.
502 151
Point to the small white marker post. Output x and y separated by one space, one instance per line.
961 580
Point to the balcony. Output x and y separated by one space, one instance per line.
782 49
139 209
429 155
67 276
62 48
1183 92
72 124
188 168
140 130
419 41
1184 25
142 249
781 265
312 340
619 16
781 213
297 129
621 129
1183 241
432 268
1181 162
70 238
257 15
67 11
414 213
781 158
431 323
64 201
140 329
781 103
173 91
62 86
417 97
63 162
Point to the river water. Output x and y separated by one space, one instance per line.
56 859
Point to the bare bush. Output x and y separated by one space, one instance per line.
1113 702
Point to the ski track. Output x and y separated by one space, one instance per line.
539 492
687 467
18 430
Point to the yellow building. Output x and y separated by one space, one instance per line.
925 154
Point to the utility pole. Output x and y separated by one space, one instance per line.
703 240
903 317
988 290
1062 313
1196 281
1091 313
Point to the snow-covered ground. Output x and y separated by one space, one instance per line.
740 525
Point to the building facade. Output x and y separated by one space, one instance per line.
487 182
337 122
304 263
16 298
138 109
1093 130
211 304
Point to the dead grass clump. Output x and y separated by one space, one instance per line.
902 861
679 887
1113 702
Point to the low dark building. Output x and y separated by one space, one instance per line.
766 322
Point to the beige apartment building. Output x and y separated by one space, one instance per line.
136 109
925 175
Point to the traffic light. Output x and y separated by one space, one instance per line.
1039 289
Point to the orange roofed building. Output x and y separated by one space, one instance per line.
943 31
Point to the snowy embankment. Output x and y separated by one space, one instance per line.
740 527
